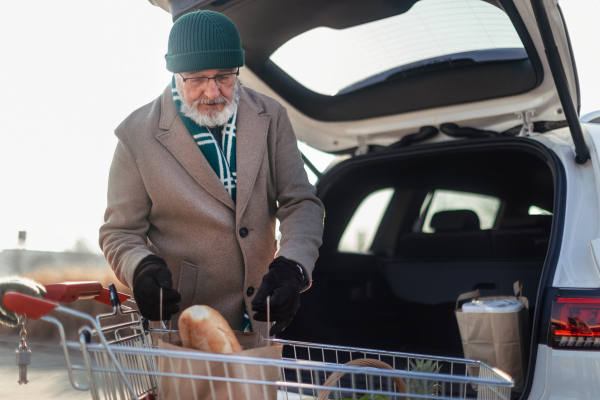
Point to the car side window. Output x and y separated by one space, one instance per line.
486 207
360 231
535 210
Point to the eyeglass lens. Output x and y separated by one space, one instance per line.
221 79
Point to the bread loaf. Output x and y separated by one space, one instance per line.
203 328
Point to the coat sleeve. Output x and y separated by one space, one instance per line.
300 212
123 236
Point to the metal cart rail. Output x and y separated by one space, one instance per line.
121 361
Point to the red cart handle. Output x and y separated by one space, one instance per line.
69 292
28 306
104 297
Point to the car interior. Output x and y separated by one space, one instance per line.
450 219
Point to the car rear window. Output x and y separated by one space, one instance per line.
433 34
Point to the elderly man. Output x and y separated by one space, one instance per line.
198 178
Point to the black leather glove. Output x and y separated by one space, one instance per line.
23 285
282 283
148 278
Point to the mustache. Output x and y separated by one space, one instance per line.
218 100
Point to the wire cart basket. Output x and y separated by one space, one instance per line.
121 360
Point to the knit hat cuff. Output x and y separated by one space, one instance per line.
203 60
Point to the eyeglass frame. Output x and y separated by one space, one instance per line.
236 73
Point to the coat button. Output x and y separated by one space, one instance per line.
243 232
250 291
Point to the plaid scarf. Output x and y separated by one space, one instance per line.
221 158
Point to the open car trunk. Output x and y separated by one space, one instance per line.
395 286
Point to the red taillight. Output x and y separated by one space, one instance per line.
575 323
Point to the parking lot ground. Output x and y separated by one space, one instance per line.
47 373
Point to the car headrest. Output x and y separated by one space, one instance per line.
455 220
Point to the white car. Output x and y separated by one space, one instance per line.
464 166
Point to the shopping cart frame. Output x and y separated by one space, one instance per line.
126 367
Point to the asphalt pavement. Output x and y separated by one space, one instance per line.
47 373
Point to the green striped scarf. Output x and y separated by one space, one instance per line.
221 159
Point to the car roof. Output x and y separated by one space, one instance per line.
495 93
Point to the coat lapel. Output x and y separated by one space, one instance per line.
176 138
251 140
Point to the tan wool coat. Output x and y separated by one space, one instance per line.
164 198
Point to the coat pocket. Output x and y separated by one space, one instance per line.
187 284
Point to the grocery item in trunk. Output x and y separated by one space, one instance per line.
495 330
493 306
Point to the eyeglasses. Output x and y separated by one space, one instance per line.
202 81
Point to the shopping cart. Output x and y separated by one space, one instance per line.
120 359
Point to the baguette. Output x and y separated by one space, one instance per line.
203 328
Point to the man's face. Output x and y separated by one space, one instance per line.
209 98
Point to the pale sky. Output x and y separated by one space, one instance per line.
73 70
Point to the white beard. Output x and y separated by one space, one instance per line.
212 118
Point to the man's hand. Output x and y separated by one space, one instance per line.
282 283
23 285
151 275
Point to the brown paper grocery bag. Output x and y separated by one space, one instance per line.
497 339
254 345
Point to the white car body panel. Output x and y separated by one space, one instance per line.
538 387
498 114
572 374
576 266
595 250
565 374
164 4
560 37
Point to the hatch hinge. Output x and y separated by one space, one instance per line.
362 148
527 119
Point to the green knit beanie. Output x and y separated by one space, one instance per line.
204 40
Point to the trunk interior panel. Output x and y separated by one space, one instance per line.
400 293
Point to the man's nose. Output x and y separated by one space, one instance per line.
212 90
